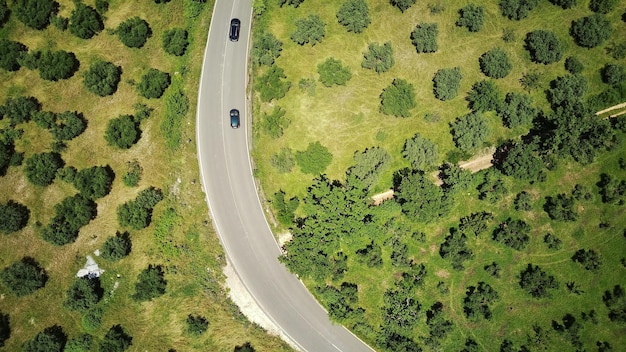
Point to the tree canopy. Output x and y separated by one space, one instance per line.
272 85
150 283
537 282
153 83
495 63
517 110
122 132
517 9
137 213
591 31
484 96
10 53
420 152
134 32
85 21
513 233
41 169
94 182
369 164
403 5
472 17
332 71
421 199
175 41
544 46
265 49
309 29
35 13
83 294
378 57
446 83
56 65
116 247
102 78
24 277
13 217
469 131
72 213
51 339
117 339
354 15
315 159
398 98
424 37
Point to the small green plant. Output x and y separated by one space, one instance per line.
133 173
196 324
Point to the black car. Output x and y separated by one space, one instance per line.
235 24
234 118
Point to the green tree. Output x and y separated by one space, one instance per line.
122 132
455 250
13 217
272 85
40 169
92 320
332 71
102 78
454 178
5 13
134 32
5 328
315 159
573 65
492 188
560 208
566 91
84 293
517 9
56 65
424 37
398 98
477 301
371 255
495 63
531 81
85 21
81 343
310 29
565 4
544 47
523 201
117 339
116 247
71 214
265 49
51 339
20 109
520 161
612 189
493 269
589 258
536 282
615 301
23 277
472 17
294 3
8 156
517 110
369 165
484 96
378 57
275 122
154 83
137 214
285 208
438 325
196 324
94 182
175 41
447 82
35 13
10 52
591 31
513 233
603 6
420 199
400 311
354 15
68 125
613 74
420 152
133 173
150 283
469 132
403 5
475 223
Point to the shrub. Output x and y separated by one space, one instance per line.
332 71
116 339
150 283
477 301
175 41
285 208
283 161
92 320
517 110
24 277
83 294
537 282
403 5
275 122
13 217
544 47
591 31
137 214
398 98
153 84
420 152
265 49
560 208
517 9
5 328
20 109
116 247
354 15
35 13
196 324
573 65
520 161
469 132
513 233
51 339
85 21
615 301
102 78
310 29
71 214
613 74
10 52
603 6
122 132
272 85
40 169
94 182
56 65
133 173
378 57
590 259
495 63
294 3
424 37
566 90
68 125
553 242
134 32
5 13
471 17
455 250
315 159
81 343
484 96
446 83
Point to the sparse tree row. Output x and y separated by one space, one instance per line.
396 271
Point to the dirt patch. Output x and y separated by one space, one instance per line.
614 107
444 274
381 197
479 163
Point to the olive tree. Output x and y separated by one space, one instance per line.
175 41
446 83
544 46
310 29
591 31
354 15
134 32
24 277
85 21
10 52
102 78
378 57
472 17
13 217
332 71
495 63
398 98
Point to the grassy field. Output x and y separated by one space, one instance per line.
346 119
180 237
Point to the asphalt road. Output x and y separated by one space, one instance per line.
232 196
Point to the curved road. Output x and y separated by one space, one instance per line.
232 195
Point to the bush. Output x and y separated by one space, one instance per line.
94 182
150 283
484 96
573 65
20 109
513 233
420 152
332 71
309 30
92 320
175 41
521 162
5 13
83 294
613 74
265 49
424 37
35 13
471 17
354 15
85 21
24 277
398 98
283 161
591 31
603 6
315 159
495 63
13 217
122 132
403 5
68 125
40 169
285 208
447 82
378 57
294 3
544 47
274 123
560 208
5 328
134 32
81 343
51 339
71 214
536 282
454 178
615 301
419 198
523 201
517 110
553 242
8 156
116 339
56 65
196 324
10 52
455 250
153 84
469 132
102 78
116 247
133 173
477 301
590 259
271 84
566 91
137 214
517 9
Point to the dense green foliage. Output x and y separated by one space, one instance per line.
153 83
272 85
378 57
275 122
150 283
315 159
309 29
285 208
544 46
420 152
484 96
517 9
472 17
71 214
591 31
63 126
94 182
134 32
573 65
512 233
56 65
455 250
368 166
116 247
589 258
196 324
5 12
40 169
294 3
603 6
83 294
332 71
561 208
615 300
565 4
85 21
424 37
51 339
175 41
122 132
420 199
354 15
13 217
81 343
10 52
403 5
133 173
265 49
102 78
520 161
23 277
137 213
517 110
537 282
469 132
117 339
398 98
477 301
613 74
5 328
446 83
20 109
495 63
35 13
